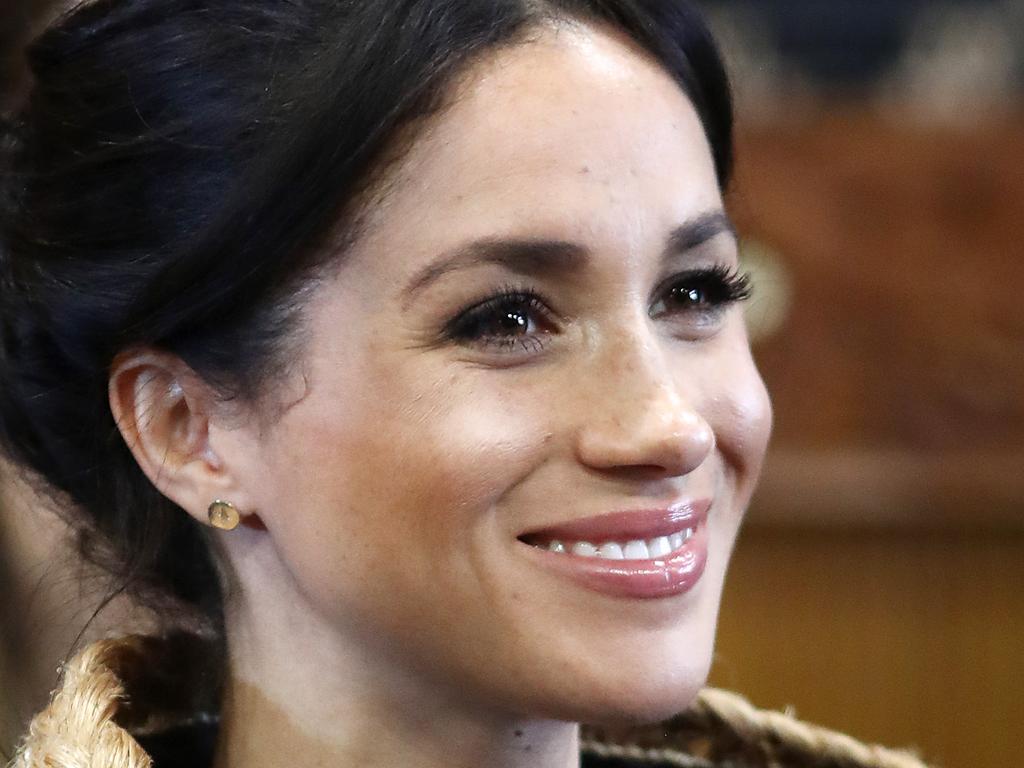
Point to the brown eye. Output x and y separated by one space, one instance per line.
508 320
702 291
686 296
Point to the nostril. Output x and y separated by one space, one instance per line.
644 423
648 454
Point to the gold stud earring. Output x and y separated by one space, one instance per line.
223 515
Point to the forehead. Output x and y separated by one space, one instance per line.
555 136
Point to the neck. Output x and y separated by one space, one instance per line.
257 732
298 694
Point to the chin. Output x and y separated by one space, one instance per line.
660 675
640 706
645 688
651 699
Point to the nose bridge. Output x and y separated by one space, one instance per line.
641 411
637 371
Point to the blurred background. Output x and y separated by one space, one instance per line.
878 587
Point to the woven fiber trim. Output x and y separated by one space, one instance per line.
77 729
724 729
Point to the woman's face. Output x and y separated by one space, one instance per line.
534 332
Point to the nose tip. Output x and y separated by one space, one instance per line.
662 432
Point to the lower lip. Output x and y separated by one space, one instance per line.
674 574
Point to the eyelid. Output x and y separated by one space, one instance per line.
723 284
529 296
736 284
507 292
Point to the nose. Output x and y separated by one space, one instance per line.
637 416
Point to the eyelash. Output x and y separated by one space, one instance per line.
717 287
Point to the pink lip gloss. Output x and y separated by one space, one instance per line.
651 576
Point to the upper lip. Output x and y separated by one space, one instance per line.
626 525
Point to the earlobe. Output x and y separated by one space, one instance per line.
162 411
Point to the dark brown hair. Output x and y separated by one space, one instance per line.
168 182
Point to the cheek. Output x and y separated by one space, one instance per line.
740 413
395 474
458 446
470 444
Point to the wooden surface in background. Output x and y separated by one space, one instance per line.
904 250
896 637
879 589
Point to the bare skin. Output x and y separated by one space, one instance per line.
383 610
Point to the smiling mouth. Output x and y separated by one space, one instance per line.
627 569
633 549
633 554
634 534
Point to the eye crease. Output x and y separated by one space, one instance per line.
503 321
711 289
520 319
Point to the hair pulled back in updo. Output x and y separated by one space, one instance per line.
171 182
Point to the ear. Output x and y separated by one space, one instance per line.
162 409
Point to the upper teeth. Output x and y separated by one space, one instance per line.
638 549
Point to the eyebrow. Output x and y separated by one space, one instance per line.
529 256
